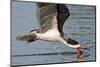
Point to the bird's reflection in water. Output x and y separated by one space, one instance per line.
72 57
79 55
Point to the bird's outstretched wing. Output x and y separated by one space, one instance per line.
63 14
46 13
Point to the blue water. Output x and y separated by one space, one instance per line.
79 26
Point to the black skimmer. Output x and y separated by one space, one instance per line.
52 18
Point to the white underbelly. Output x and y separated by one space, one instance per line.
50 35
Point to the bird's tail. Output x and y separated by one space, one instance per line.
27 37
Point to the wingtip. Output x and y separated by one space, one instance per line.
18 38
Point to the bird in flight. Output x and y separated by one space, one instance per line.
51 21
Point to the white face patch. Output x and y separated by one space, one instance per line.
74 46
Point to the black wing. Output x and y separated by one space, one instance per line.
63 14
